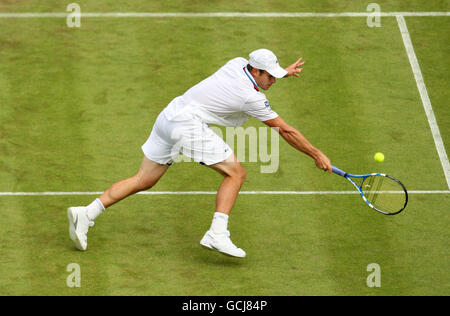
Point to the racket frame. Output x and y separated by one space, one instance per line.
349 177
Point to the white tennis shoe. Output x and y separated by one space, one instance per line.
221 243
79 226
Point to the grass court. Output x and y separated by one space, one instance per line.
76 104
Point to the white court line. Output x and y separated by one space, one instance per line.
214 192
425 98
216 14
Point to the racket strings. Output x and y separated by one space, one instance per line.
374 185
384 193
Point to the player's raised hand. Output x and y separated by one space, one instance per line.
294 69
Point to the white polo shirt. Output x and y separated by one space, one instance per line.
229 97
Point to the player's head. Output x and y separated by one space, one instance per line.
265 68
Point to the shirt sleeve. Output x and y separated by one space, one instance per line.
259 108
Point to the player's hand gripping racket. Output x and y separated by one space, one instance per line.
380 191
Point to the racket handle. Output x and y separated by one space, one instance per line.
338 171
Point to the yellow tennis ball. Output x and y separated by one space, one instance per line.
379 157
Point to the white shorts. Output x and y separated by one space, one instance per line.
190 137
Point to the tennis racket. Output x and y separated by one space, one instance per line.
381 192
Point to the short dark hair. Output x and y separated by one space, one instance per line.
250 68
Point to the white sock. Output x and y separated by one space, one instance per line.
219 223
95 209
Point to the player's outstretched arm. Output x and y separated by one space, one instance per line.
299 142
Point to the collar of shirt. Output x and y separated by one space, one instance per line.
251 78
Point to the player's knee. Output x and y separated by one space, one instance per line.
240 173
243 173
143 184
234 170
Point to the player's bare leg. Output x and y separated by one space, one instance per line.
81 218
148 175
218 236
229 189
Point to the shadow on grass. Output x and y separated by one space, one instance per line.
215 258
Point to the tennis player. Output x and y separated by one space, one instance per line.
229 97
